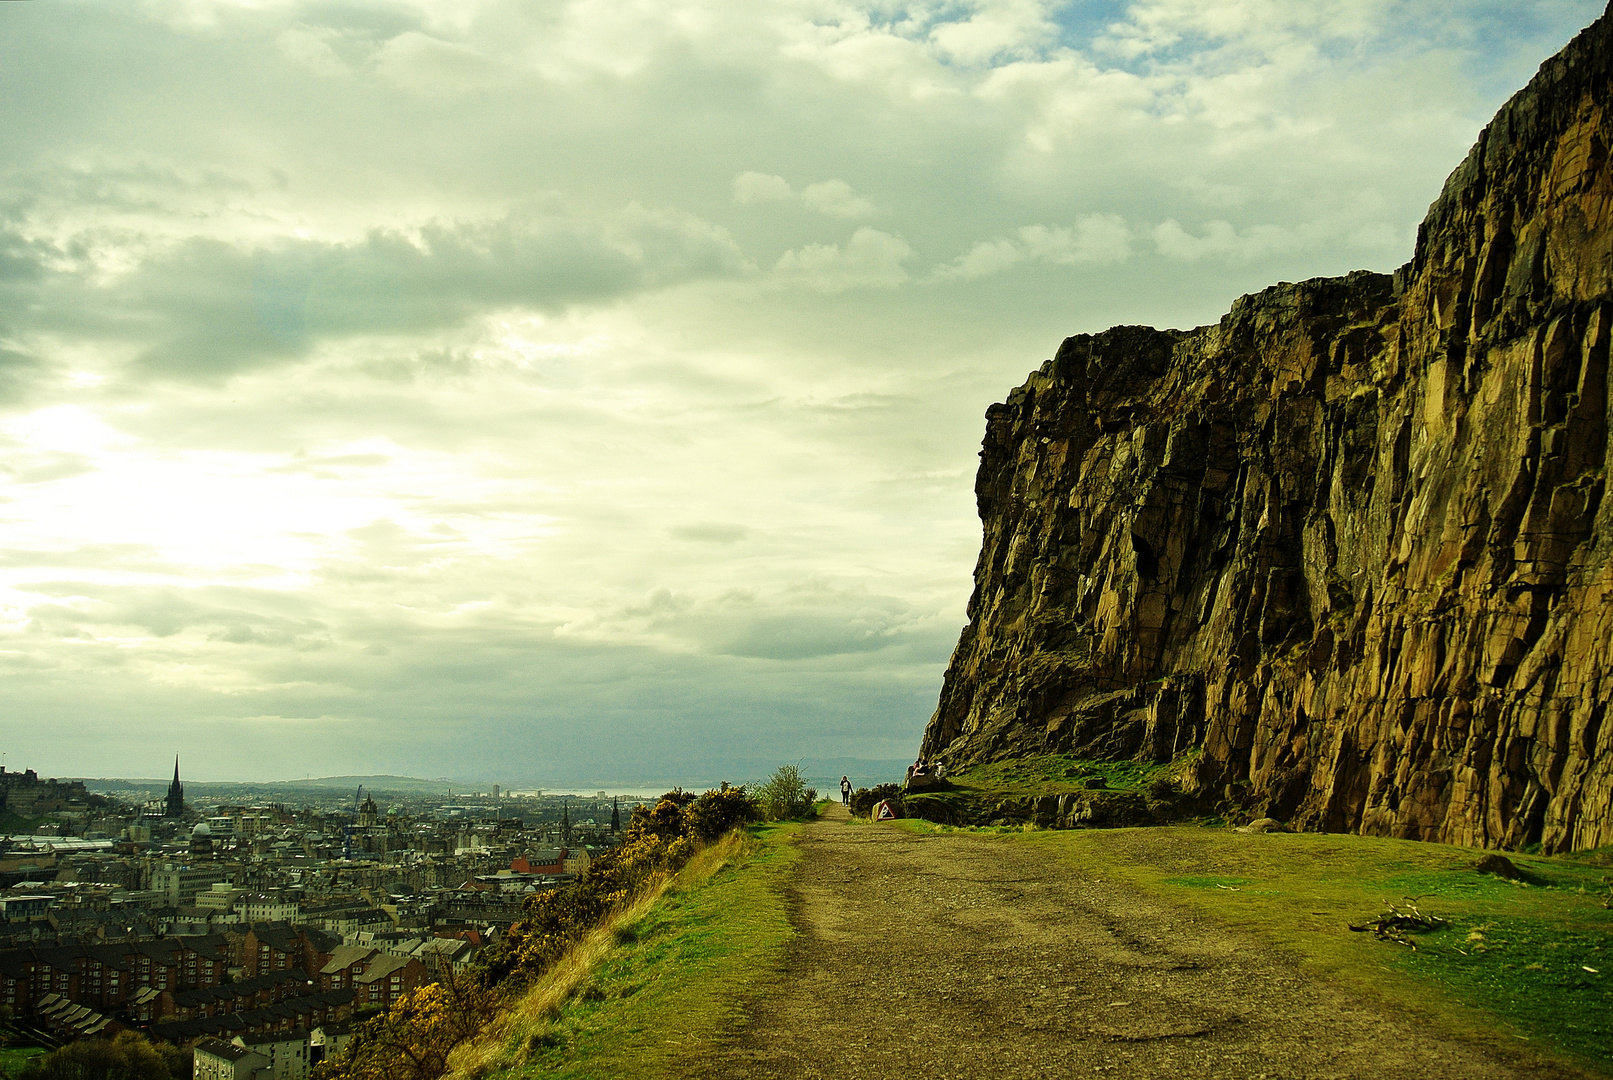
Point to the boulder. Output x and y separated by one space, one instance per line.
1263 825
1500 866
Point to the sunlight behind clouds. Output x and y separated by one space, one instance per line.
591 391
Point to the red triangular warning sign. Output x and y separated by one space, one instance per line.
883 812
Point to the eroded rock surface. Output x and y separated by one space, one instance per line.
1351 541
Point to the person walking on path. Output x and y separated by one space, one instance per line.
845 791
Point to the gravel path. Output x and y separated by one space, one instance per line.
967 955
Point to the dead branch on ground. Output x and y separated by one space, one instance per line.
1400 921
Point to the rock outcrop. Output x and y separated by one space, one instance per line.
1350 545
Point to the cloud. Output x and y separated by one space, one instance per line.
425 65
118 613
311 47
709 532
1221 241
994 29
804 620
835 197
751 188
871 259
1094 239
21 258
832 197
1152 27
205 308
20 373
441 372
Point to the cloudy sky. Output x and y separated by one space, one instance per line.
561 391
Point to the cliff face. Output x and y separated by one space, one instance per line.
1352 541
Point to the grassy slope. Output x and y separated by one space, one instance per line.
1515 952
1051 774
672 980
989 792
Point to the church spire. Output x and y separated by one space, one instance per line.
176 795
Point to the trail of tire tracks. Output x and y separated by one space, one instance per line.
969 955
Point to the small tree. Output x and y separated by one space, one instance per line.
786 795
412 1040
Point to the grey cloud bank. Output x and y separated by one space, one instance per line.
590 393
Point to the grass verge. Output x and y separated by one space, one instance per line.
1017 790
1519 960
1052 774
13 1058
658 986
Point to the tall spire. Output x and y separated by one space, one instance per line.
176 795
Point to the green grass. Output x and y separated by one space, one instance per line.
1051 774
13 1058
678 979
1199 881
11 823
1510 966
1003 791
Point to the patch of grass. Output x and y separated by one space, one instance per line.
1106 793
1515 952
13 1058
11 823
1052 774
1200 881
665 987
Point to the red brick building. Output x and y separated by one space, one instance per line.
375 977
107 978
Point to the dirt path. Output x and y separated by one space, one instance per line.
960 955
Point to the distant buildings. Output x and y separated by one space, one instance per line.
25 794
216 1059
259 933
181 883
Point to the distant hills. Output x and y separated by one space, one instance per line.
825 772
324 785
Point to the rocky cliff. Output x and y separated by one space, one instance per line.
1351 543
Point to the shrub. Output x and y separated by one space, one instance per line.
129 1056
786 795
717 811
412 1040
863 800
1162 787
